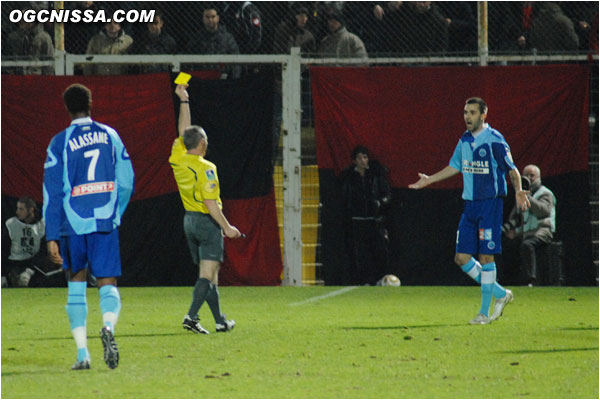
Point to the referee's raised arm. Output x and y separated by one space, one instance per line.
185 120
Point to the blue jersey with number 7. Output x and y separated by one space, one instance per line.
88 180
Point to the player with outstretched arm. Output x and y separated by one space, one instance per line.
204 223
88 181
483 157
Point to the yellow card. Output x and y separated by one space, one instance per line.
182 78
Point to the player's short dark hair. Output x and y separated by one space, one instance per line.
78 99
359 150
192 135
483 108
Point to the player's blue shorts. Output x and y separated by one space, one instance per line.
480 227
98 251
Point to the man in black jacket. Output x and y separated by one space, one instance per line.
214 38
366 193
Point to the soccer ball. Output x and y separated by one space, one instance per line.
389 280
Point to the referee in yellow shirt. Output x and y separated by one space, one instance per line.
204 223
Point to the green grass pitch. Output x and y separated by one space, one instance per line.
310 342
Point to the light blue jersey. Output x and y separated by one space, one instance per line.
88 180
484 161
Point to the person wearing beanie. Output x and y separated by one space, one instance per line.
340 43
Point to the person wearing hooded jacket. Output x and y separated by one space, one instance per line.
340 43
110 40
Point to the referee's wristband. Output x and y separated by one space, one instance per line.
187 101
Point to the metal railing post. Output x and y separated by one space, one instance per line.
292 167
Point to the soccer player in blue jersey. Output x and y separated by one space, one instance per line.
483 157
88 180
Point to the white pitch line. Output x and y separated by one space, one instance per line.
324 296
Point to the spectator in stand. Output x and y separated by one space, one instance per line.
583 14
551 29
293 33
509 24
462 25
243 20
423 29
289 33
340 43
78 35
110 40
213 38
29 42
387 17
154 40
528 230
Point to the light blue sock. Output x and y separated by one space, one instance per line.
488 279
77 311
473 269
499 291
110 305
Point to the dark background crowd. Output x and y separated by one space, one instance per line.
392 28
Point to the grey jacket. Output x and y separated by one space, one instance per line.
343 44
34 44
101 43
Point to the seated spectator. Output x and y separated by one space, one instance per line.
213 38
551 29
27 260
29 42
154 40
110 40
528 230
340 43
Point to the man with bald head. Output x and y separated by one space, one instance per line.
533 228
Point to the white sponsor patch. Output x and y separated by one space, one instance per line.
92 188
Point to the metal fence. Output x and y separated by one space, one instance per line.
272 27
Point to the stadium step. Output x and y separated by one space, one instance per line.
310 219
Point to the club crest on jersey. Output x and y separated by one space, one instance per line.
210 174
482 153
491 245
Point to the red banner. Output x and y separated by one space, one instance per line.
255 259
139 107
411 118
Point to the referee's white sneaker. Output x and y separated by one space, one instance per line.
501 303
226 326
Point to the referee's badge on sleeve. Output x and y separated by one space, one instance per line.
210 174
210 187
